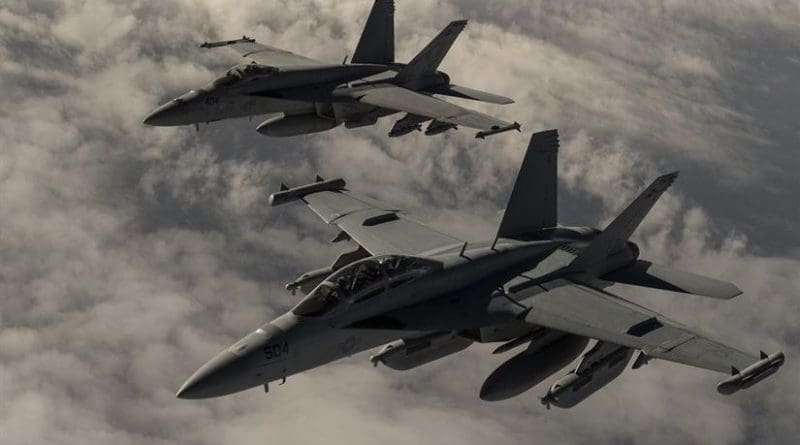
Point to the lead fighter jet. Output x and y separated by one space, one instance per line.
537 286
313 96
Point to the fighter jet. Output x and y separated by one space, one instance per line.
313 96
538 287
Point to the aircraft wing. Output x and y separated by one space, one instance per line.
583 310
378 228
402 99
263 54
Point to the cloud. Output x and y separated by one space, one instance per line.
129 255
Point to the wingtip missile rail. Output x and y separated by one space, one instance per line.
295 193
747 377
244 39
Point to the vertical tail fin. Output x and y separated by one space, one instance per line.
427 61
614 237
533 202
377 40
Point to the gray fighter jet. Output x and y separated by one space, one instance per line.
313 96
537 286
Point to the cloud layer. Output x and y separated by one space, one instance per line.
130 255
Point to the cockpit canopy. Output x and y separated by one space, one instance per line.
363 280
244 71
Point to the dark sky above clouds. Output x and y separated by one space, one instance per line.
129 255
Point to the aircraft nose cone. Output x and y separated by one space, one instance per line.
183 110
216 378
165 115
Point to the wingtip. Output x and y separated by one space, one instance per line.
497 130
672 175
749 376
544 140
667 179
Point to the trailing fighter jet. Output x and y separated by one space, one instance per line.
537 287
313 96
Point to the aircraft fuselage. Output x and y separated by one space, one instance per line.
460 291
250 90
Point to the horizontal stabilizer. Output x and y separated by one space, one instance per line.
469 93
647 274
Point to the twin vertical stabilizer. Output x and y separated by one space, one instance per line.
533 202
377 40
533 207
428 60
614 237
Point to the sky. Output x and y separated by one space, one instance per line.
129 255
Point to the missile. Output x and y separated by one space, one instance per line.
436 127
410 122
412 352
752 374
528 368
602 364
401 131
